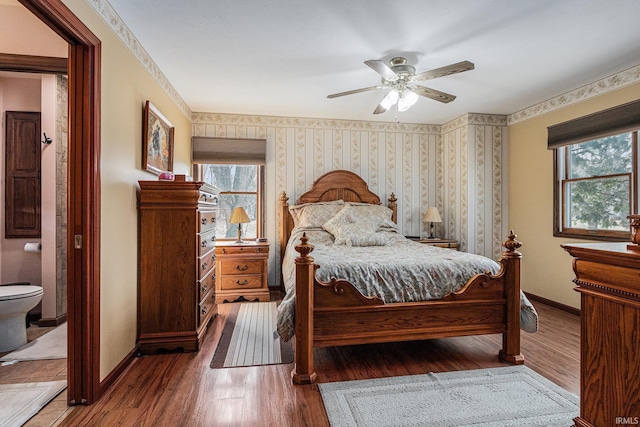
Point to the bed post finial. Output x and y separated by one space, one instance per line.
304 248
283 198
512 245
394 207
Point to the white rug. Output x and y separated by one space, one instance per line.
52 345
22 401
498 397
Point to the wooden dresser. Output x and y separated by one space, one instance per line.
608 279
176 289
242 271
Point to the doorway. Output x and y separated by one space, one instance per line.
83 217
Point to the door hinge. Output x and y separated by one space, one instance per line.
77 241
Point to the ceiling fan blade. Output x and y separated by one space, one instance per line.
433 94
379 109
351 92
444 71
381 68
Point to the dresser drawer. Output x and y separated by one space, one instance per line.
206 264
206 307
206 284
240 266
240 282
206 220
206 242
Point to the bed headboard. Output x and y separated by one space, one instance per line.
334 185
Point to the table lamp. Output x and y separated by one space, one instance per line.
431 216
239 216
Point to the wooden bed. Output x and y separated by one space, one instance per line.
336 313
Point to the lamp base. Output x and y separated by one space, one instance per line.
239 241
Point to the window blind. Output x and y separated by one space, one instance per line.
616 120
239 151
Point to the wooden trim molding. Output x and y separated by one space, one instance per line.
38 64
83 306
554 304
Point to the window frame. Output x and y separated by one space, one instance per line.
260 202
560 177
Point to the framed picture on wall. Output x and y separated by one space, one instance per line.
157 144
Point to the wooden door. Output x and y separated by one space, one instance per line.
22 174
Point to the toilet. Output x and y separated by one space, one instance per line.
15 303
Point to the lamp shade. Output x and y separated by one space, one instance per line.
432 215
239 216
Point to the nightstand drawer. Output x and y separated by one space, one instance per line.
240 266
244 250
206 242
241 282
206 220
206 264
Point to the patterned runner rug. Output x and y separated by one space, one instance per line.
247 338
497 397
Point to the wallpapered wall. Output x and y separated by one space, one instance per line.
457 167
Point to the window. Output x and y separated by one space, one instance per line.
596 187
235 167
238 185
595 161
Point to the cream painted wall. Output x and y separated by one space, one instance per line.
546 268
126 85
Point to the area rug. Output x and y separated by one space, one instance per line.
22 401
497 397
52 345
248 338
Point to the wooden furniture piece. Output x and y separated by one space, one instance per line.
242 271
176 286
441 243
608 279
336 313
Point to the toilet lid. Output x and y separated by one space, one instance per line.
19 291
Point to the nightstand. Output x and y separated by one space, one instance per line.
241 270
441 243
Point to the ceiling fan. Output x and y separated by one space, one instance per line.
400 76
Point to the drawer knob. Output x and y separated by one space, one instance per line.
204 288
204 221
242 268
204 244
204 266
244 282
204 310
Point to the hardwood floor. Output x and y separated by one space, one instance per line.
181 389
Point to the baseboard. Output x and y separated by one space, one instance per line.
117 371
56 321
554 304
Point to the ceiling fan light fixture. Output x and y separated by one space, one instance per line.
390 99
407 99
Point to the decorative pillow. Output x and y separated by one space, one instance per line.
314 215
371 239
377 215
344 225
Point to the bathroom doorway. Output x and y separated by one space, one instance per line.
83 217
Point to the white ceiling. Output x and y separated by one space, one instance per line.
283 58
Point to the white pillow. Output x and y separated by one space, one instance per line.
344 225
314 215
378 215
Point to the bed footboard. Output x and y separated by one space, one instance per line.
336 313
